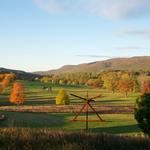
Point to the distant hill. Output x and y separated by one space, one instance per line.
133 63
19 74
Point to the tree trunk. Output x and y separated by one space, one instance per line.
126 94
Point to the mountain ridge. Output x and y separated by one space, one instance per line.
19 73
132 63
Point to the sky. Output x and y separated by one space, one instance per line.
40 35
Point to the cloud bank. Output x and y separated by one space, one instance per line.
111 9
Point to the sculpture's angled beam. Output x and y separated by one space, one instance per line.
74 119
95 97
91 100
78 96
95 112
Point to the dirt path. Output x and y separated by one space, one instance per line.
69 109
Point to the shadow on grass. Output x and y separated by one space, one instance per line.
33 120
30 102
118 129
110 101
38 102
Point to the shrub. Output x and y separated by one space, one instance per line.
62 98
142 113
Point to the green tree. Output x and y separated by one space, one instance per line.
142 113
62 98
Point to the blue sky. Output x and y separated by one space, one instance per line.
46 34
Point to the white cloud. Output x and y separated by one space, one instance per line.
49 5
115 9
112 9
132 48
136 32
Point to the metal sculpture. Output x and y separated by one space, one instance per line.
87 105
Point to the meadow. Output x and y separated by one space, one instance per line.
40 124
39 110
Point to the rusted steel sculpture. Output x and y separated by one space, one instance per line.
87 105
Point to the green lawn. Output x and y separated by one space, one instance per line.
35 95
114 123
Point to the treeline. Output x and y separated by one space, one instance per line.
115 81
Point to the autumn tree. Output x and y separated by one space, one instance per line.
1 88
62 98
2 76
110 80
5 82
45 79
95 83
8 78
145 88
144 81
126 83
17 94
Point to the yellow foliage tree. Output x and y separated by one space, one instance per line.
17 94
45 79
62 98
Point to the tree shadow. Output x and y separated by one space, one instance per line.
117 129
33 120
38 102
28 102
110 101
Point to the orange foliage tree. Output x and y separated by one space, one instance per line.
5 82
2 76
8 78
145 88
17 94
1 88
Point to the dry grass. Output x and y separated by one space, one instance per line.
44 139
68 109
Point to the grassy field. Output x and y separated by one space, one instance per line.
35 96
114 123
